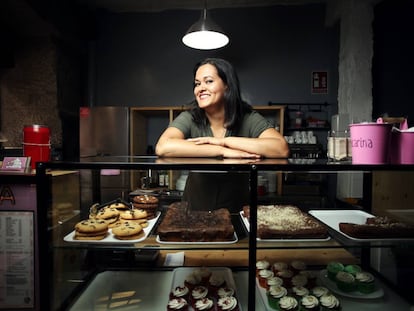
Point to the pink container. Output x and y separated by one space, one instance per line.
402 145
36 143
370 142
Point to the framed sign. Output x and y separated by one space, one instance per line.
17 259
319 82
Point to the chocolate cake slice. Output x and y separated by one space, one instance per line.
182 225
378 227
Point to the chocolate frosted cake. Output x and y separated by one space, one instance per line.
182 225
378 227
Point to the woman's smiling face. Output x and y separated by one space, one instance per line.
209 88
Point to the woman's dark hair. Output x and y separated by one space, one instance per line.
235 108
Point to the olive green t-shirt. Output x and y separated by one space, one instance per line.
212 190
252 126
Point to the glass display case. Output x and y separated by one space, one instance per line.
140 273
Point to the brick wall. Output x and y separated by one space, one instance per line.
28 92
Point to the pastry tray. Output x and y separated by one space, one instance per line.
246 223
325 281
332 218
110 238
234 240
180 274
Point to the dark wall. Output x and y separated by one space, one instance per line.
393 78
140 60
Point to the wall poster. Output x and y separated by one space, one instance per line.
17 259
319 82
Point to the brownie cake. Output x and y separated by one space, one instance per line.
182 225
286 222
378 227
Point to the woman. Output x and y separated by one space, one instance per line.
219 124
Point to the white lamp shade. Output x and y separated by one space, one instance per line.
205 40
205 35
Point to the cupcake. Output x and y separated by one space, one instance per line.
177 304
203 273
299 280
216 281
353 269
311 275
319 291
297 266
365 282
205 304
333 268
286 276
192 280
288 303
274 281
198 292
274 294
345 281
227 304
264 275
279 266
309 303
329 302
180 292
300 291
260 265
225 292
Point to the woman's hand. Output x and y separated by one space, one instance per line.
239 154
227 152
207 140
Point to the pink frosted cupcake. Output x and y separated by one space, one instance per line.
177 304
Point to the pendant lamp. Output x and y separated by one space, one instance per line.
205 34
